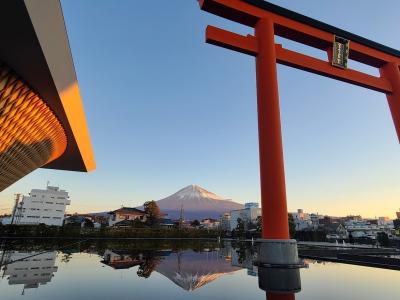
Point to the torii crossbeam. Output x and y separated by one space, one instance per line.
269 20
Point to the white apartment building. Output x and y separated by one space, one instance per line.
248 215
42 206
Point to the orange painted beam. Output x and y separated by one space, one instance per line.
248 45
247 14
392 71
232 41
324 68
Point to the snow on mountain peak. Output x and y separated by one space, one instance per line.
196 202
194 191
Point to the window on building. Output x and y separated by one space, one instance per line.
50 202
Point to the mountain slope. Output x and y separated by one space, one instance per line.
197 203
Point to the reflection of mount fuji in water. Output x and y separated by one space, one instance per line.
188 269
191 270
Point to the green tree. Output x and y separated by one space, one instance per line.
292 226
195 223
136 223
149 263
152 212
240 227
88 223
241 253
259 223
383 239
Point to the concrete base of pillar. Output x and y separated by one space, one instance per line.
276 280
278 253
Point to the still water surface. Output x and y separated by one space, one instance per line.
171 270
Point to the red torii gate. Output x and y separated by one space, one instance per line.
269 20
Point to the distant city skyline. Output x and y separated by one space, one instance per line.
165 110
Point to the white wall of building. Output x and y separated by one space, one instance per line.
43 206
366 229
247 215
304 220
225 222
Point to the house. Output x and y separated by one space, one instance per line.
74 220
326 220
81 220
125 224
336 231
305 221
209 223
125 213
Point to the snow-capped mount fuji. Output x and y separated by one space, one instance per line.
197 203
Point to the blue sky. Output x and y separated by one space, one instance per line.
166 110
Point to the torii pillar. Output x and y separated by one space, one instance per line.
272 174
275 248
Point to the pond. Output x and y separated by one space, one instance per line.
143 269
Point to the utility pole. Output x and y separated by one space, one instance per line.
17 196
181 217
